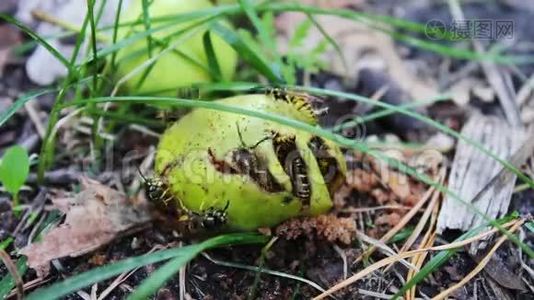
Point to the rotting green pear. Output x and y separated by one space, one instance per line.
260 172
175 67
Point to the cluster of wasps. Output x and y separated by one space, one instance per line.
244 161
157 192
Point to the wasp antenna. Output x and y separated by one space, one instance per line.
260 141
240 135
227 205
141 173
182 206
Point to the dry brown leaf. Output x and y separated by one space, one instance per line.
94 217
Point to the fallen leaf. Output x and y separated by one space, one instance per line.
94 217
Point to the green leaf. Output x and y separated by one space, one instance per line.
14 168
77 282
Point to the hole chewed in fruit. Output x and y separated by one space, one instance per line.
294 166
246 162
328 164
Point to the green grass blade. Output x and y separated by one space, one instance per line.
90 10
213 63
77 282
116 32
40 41
147 23
158 278
251 14
19 103
330 40
246 52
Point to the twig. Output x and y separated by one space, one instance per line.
45 17
33 113
12 268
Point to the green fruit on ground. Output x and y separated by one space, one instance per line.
182 66
265 172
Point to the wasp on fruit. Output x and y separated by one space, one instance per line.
157 192
301 101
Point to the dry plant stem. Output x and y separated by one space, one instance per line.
424 218
343 258
45 17
480 266
418 260
405 219
29 286
385 249
12 268
427 241
181 277
525 92
33 113
374 208
389 260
